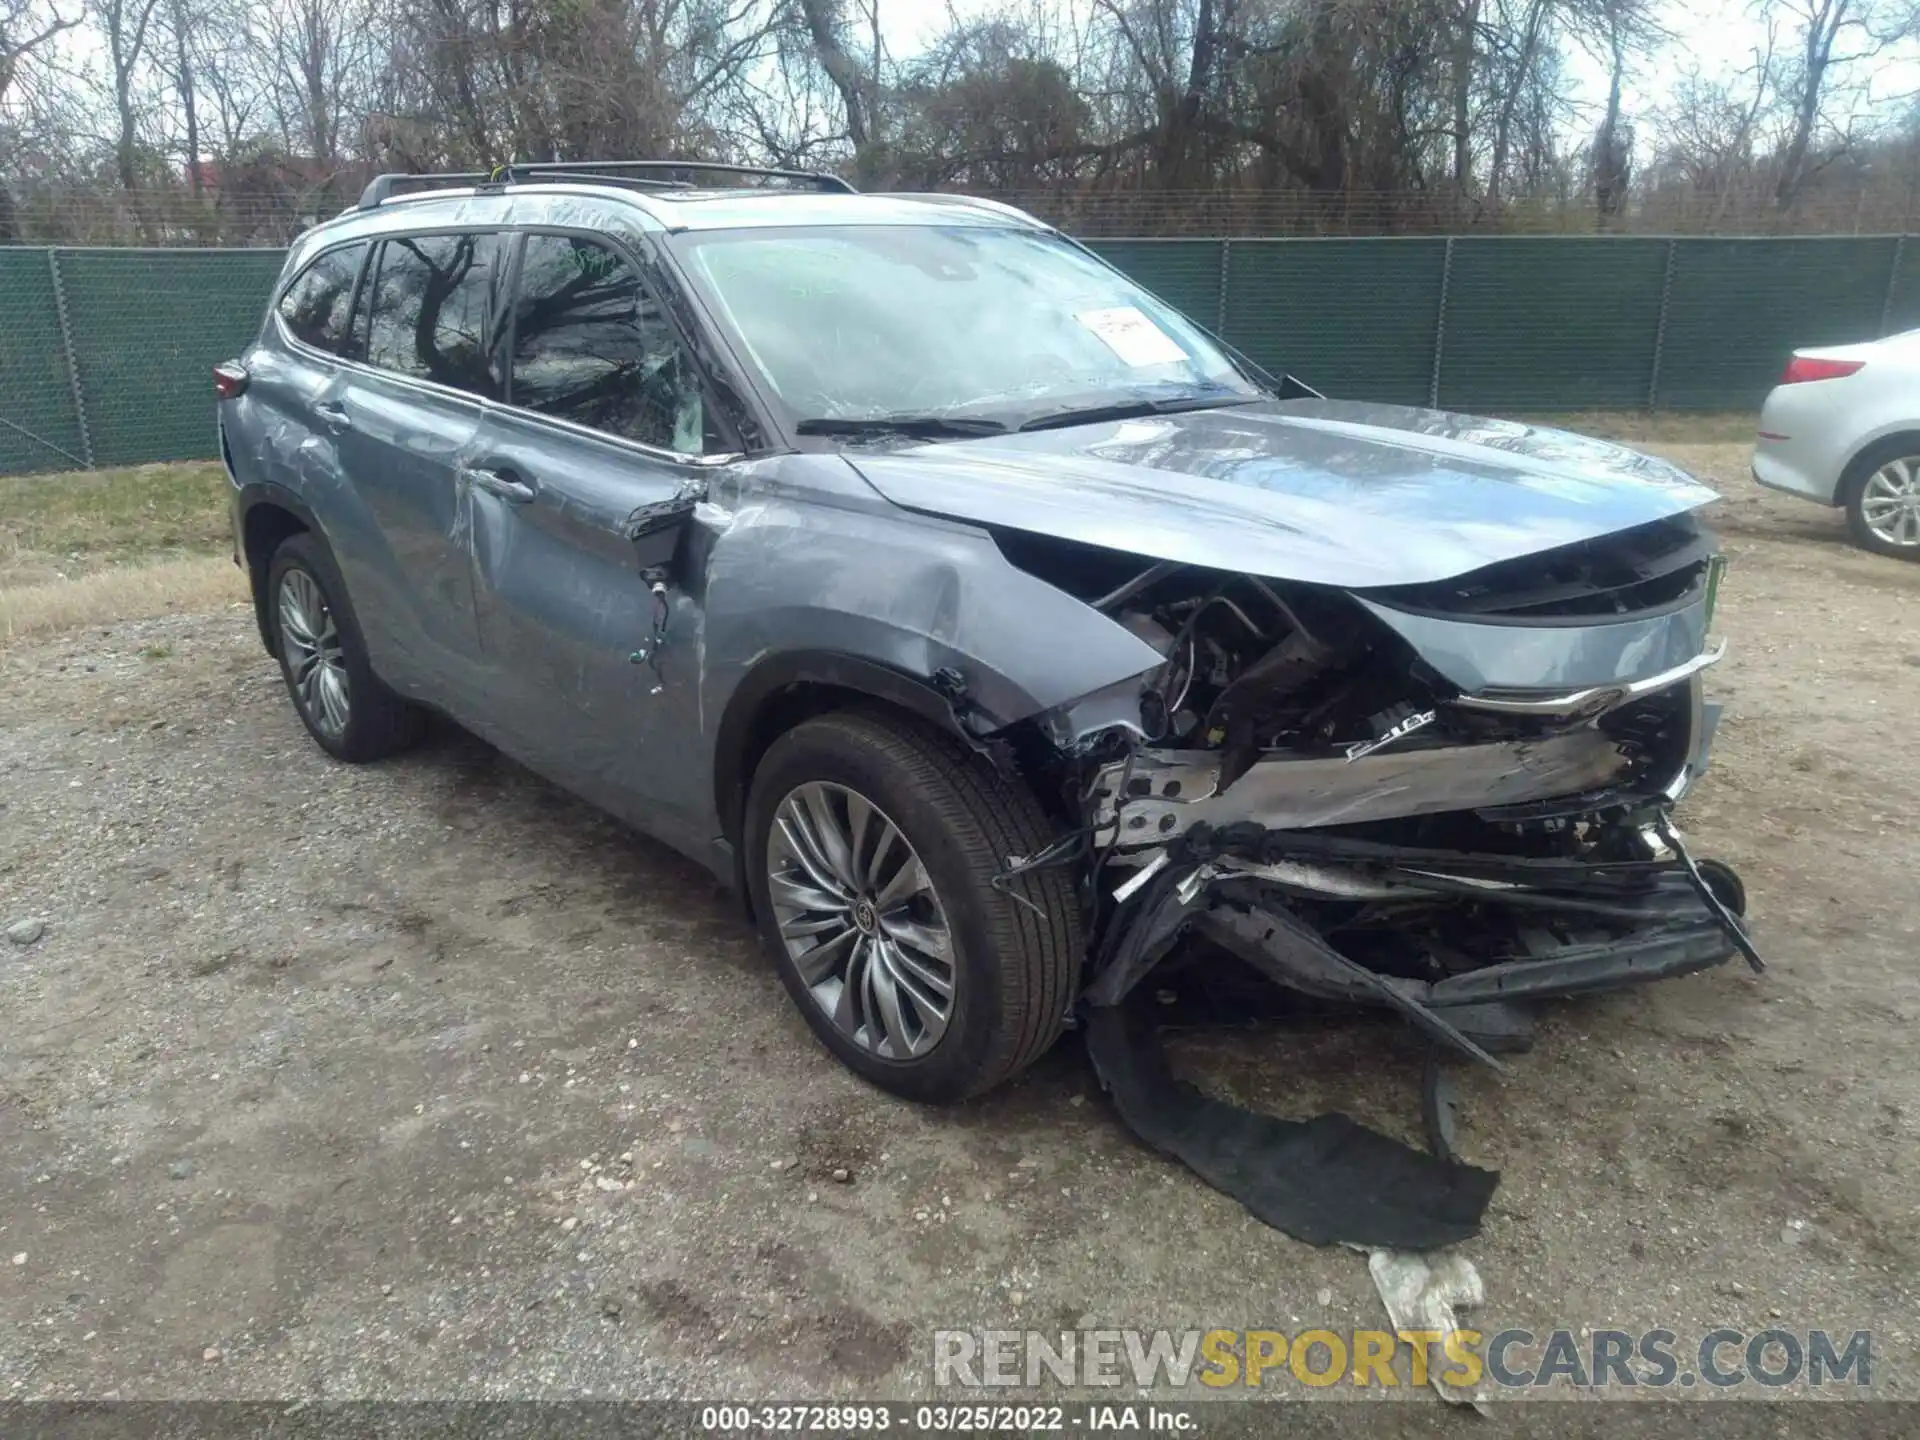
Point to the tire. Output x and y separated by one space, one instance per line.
1854 497
369 722
1724 881
1013 969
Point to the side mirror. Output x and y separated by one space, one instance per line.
656 530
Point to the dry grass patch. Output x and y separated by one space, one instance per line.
64 526
95 546
127 592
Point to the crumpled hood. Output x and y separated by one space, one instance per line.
1327 492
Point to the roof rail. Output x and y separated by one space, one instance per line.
975 202
381 187
663 174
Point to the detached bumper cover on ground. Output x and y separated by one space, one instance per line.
1448 799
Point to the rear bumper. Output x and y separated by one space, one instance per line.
1782 471
1802 446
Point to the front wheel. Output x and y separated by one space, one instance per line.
872 845
1882 498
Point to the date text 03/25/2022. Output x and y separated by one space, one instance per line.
946 1418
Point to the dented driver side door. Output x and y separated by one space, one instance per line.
605 419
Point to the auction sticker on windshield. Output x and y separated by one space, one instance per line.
1132 336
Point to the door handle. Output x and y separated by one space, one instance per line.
516 492
333 415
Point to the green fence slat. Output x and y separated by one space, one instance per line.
1184 273
1352 318
1551 324
1903 304
1740 307
148 328
39 427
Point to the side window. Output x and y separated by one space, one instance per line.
591 346
318 305
434 308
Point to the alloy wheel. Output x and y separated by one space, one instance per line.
311 642
860 920
1890 502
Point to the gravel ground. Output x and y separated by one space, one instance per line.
425 1080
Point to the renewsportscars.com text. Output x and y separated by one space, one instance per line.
1466 1359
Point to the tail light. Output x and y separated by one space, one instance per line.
1802 368
229 380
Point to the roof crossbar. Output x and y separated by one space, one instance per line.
663 174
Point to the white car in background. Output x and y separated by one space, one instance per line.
1843 427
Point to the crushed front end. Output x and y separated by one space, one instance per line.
1448 799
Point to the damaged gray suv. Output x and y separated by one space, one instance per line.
996 630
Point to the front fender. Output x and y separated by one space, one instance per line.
777 675
844 571
924 612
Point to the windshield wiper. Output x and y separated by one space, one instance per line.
1134 409
919 427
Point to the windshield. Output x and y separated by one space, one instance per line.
868 322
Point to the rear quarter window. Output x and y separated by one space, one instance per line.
318 306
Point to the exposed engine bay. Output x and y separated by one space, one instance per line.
1447 800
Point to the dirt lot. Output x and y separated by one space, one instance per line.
424 1080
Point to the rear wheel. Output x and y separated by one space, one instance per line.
343 704
1882 498
872 848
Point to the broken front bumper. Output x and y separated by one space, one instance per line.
1244 865
1581 925
1156 795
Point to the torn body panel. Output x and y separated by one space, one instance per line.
1163 793
1433 801
1489 660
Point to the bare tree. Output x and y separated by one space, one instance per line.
24 29
854 83
125 24
183 22
1358 113
1710 132
1828 40
1465 28
1620 32
226 57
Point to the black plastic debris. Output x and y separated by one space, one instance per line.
1324 1180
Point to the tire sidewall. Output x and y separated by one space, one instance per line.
303 552
977 1029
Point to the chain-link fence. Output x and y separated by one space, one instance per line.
105 354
